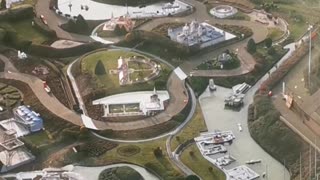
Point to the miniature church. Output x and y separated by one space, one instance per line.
196 33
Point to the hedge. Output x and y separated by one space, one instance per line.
51 52
17 13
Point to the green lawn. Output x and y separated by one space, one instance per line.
298 14
38 138
191 130
25 30
110 82
201 166
162 165
274 33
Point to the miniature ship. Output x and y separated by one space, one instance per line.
212 86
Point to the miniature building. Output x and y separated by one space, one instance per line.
123 71
122 22
198 34
28 118
134 103
224 57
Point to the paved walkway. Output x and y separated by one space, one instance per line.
54 21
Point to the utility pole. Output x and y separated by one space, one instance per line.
309 62
315 158
300 168
310 159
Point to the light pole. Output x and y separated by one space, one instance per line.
309 62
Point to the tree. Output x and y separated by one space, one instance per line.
268 42
272 51
251 46
81 24
157 152
192 177
3 4
191 153
210 169
100 70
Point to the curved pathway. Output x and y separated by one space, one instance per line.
175 87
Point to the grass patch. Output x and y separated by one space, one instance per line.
129 150
110 83
38 139
162 165
120 173
274 33
191 130
25 30
201 166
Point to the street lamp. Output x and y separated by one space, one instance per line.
309 62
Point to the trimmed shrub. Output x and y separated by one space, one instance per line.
17 13
268 42
48 51
192 177
120 173
79 26
3 4
251 46
100 69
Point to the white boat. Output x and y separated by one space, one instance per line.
240 127
212 86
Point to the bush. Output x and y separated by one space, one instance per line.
100 69
79 26
192 177
3 4
48 51
268 42
272 51
251 46
12 39
17 13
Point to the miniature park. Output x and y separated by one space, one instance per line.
159 89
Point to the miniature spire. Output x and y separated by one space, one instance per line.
154 90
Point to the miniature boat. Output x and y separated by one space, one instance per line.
240 127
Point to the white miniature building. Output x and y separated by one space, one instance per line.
134 103
223 11
198 34
123 71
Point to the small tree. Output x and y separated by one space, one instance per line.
191 153
81 25
268 42
100 70
251 46
3 4
272 51
178 138
192 177
157 152
210 169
